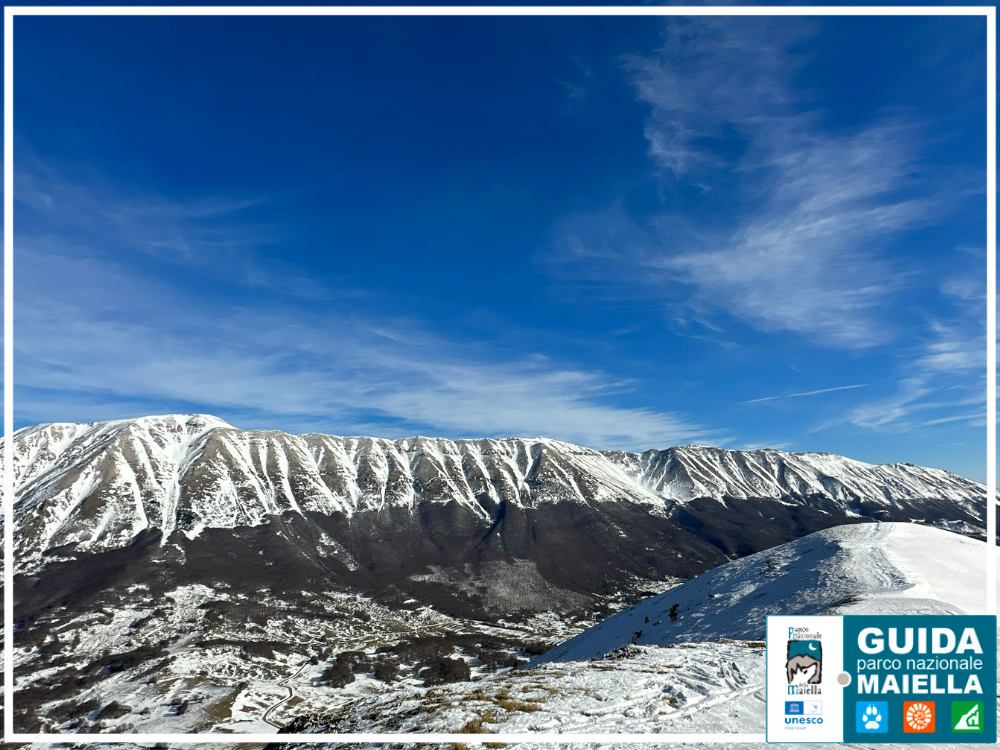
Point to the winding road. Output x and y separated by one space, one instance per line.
291 694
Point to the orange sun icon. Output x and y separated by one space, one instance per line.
918 716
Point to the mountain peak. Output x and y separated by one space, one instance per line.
101 484
196 421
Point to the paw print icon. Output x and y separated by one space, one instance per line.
872 717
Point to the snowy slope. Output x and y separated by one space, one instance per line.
705 688
690 472
100 485
683 689
703 673
861 569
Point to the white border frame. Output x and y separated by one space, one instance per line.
537 737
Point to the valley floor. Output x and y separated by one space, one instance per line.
699 673
202 659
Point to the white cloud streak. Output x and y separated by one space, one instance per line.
216 237
814 208
801 264
807 243
807 393
87 353
948 375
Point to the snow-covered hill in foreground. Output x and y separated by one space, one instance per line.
889 568
698 686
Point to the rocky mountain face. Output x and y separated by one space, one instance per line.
180 551
491 525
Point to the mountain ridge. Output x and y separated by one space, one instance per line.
339 544
100 485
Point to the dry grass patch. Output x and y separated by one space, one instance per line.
546 688
502 699
162 688
511 706
474 726
222 709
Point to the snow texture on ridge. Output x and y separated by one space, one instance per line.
100 485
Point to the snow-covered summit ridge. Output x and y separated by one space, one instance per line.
99 485
688 472
885 568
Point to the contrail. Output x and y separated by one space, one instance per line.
807 393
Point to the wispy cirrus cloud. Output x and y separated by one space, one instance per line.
218 237
798 247
772 219
200 229
944 382
113 343
714 75
806 261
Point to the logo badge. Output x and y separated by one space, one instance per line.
793 708
918 716
967 716
813 708
804 662
872 717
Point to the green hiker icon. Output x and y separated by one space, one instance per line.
967 716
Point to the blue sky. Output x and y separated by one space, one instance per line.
625 233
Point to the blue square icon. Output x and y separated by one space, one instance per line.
873 717
793 708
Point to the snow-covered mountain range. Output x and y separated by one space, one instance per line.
180 554
99 486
